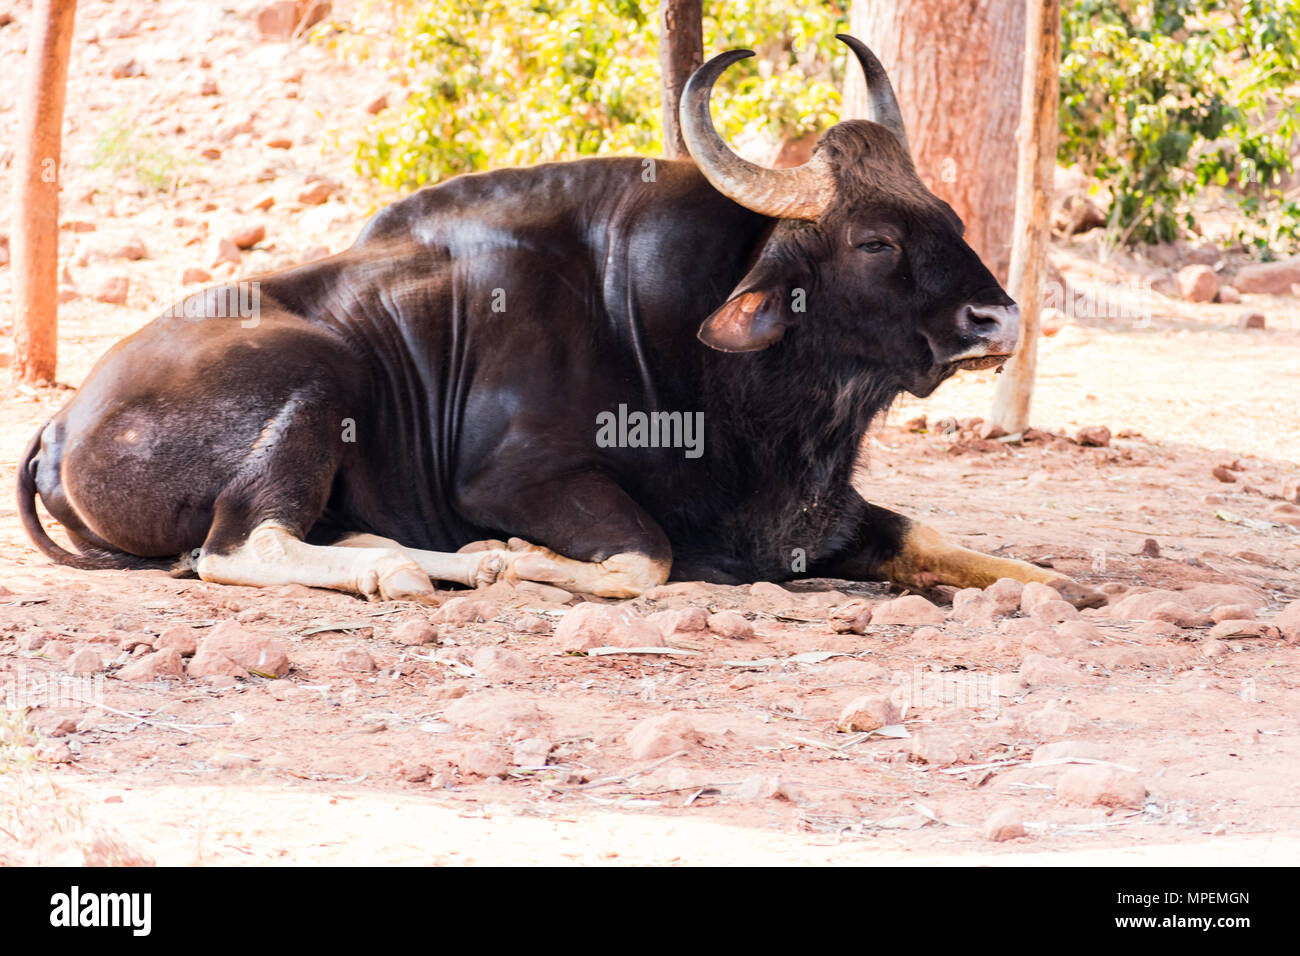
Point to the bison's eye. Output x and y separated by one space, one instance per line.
874 246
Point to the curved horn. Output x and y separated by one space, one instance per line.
800 193
882 104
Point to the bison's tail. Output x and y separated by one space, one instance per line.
93 560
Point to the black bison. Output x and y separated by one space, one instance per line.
632 369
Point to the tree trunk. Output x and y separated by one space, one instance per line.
1036 140
956 66
681 51
36 191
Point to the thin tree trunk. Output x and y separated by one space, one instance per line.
36 191
956 66
1037 144
681 51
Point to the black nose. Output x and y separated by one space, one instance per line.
996 325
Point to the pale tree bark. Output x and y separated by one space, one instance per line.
956 66
1036 141
681 51
35 237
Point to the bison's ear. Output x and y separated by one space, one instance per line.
747 322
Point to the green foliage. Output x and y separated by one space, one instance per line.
1163 98
508 83
121 147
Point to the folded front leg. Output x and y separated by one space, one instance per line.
914 555
579 532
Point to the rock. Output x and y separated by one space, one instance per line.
660 736
1197 283
495 711
1159 629
1150 548
498 664
208 87
280 142
84 662
1062 749
1236 630
1035 594
687 620
482 760
1079 631
731 624
316 193
1101 786
230 650
1229 295
1232 612
1223 474
1004 823
113 290
459 611
605 625
1291 490
1054 612
853 617
532 752
1041 669
918 424
989 431
194 274
32 640
282 20
415 633
164 663
909 611
1253 321
1286 513
1268 278
972 606
377 105
934 748
226 251
133 250
1208 595
1180 614
1288 622
354 659
1095 436
1138 607
866 713
765 786
248 236
126 69
183 640
1006 594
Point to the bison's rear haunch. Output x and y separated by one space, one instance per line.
442 384
90 558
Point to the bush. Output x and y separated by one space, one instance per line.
508 83
1163 98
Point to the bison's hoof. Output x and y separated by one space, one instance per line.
1080 595
406 583
490 568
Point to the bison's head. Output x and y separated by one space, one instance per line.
865 262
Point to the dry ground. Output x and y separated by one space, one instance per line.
333 764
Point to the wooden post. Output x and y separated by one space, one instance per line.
35 239
681 51
1040 102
